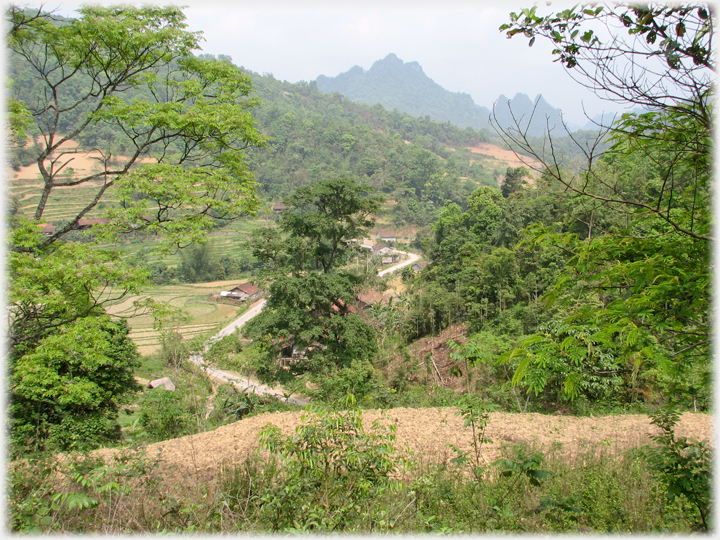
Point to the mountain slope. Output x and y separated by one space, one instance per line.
536 116
404 86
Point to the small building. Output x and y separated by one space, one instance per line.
279 208
387 236
163 382
369 298
420 265
367 244
381 249
390 259
244 291
87 223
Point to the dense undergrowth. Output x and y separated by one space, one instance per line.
333 476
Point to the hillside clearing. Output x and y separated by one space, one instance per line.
425 433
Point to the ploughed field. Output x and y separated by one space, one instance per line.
426 434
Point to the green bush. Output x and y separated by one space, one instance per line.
84 494
683 466
331 469
84 432
162 414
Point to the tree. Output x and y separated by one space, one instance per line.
65 391
168 131
655 56
308 311
643 283
671 79
329 466
131 70
323 220
513 180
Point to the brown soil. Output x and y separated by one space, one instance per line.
495 152
424 433
434 352
82 163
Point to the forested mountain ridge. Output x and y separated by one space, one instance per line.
421 163
315 136
405 87
311 136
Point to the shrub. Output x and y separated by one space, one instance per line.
162 414
683 466
331 469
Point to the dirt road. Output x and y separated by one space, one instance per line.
413 258
249 384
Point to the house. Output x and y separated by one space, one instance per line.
390 259
369 298
244 291
237 295
279 208
387 236
367 244
163 382
47 229
381 249
87 223
420 265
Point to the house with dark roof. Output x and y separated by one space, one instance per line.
381 249
420 265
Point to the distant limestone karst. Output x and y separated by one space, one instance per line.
404 86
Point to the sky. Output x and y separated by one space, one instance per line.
458 44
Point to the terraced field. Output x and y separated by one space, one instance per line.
205 317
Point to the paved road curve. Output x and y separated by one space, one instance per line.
413 257
248 384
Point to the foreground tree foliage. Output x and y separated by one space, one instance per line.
641 286
168 131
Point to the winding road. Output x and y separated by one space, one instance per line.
247 384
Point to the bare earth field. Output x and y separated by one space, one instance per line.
426 434
493 152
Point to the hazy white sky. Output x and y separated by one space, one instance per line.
457 44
